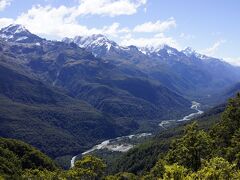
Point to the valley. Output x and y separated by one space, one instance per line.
125 143
89 95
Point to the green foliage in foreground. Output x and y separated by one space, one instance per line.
191 148
16 156
197 154
215 168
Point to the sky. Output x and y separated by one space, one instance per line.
210 27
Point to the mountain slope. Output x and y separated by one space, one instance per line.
186 72
95 80
47 119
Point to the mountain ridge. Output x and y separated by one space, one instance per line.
182 71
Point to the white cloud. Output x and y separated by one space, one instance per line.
4 4
233 60
58 23
108 7
155 27
5 22
156 41
114 30
212 50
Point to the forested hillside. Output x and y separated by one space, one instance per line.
193 154
17 156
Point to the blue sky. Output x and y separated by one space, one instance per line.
208 26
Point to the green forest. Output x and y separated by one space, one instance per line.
196 154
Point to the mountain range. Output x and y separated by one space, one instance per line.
65 96
186 72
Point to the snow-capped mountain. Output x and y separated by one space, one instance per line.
92 41
98 44
192 53
163 50
18 33
101 46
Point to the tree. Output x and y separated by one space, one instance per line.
175 172
122 176
89 167
233 151
32 174
191 148
83 174
158 169
229 124
216 168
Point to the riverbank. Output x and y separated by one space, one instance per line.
195 106
119 144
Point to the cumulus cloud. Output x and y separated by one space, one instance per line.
157 30
212 50
108 7
4 4
155 27
59 22
156 41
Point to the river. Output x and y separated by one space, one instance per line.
195 106
121 144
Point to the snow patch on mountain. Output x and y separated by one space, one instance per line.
93 41
18 33
14 29
21 38
158 51
191 52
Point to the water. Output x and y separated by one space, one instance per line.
195 106
119 144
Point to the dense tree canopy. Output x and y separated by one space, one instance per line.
16 156
191 148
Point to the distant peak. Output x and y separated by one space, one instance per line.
189 51
14 29
93 41
156 50
92 37
192 52
18 33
